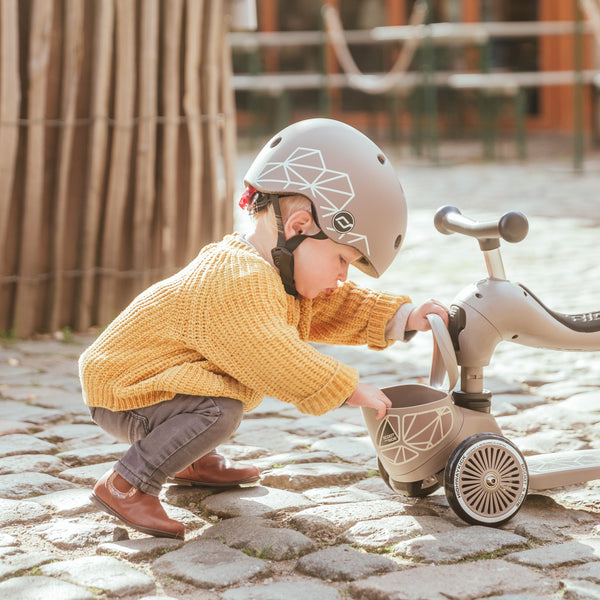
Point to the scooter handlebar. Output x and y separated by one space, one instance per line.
511 227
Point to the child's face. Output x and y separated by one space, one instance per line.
320 264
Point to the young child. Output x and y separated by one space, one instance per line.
173 374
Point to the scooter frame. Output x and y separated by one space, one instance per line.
430 438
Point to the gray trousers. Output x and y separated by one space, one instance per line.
168 436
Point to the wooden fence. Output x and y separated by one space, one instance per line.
117 136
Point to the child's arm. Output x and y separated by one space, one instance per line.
368 395
409 319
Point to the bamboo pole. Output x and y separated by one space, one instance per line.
171 98
212 198
118 178
72 61
26 301
229 131
100 82
145 168
10 101
191 106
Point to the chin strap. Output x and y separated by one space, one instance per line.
283 253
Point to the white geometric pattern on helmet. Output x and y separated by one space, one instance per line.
303 171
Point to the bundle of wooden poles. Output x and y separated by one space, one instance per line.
117 141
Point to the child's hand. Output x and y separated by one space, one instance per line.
417 320
369 395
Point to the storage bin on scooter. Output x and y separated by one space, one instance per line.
415 436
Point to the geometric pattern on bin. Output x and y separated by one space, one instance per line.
401 438
304 171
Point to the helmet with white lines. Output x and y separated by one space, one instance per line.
356 195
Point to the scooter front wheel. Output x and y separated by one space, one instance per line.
486 479
412 489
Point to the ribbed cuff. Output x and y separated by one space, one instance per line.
339 387
383 310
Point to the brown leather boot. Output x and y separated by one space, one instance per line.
135 508
214 470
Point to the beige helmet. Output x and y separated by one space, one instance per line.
357 197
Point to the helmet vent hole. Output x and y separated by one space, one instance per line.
398 242
381 158
275 142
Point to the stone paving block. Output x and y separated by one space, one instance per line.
8 540
461 543
15 512
350 449
276 461
210 564
553 416
89 455
284 590
587 402
558 555
27 463
23 561
258 501
141 549
241 452
589 571
545 442
60 433
68 400
339 495
108 574
8 427
187 517
276 442
342 563
260 537
67 503
25 485
74 534
34 588
325 427
381 533
305 476
580 590
87 475
466 581
19 443
336 518
20 411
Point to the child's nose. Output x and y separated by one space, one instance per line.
343 274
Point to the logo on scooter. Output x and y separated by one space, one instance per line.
388 435
343 221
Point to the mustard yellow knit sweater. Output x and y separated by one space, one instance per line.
224 326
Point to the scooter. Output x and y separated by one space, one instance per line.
431 437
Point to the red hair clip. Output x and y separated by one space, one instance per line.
247 197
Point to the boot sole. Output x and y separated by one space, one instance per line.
147 530
194 482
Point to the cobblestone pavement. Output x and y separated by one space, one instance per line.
322 525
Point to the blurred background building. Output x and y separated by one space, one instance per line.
541 44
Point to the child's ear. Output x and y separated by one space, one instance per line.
299 222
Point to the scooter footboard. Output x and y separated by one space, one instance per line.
562 468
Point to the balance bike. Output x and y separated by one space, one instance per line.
433 437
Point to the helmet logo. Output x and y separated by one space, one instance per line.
343 221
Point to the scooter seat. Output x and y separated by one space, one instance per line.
588 322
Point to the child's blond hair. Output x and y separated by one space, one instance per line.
288 204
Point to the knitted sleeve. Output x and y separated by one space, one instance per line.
240 324
353 316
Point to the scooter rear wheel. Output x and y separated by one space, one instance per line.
412 489
486 479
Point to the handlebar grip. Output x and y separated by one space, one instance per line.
511 227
